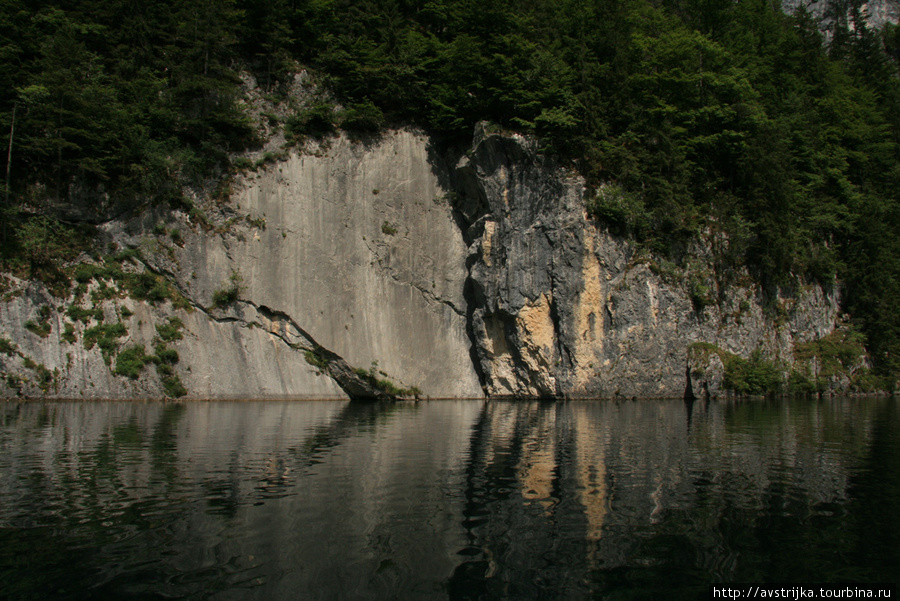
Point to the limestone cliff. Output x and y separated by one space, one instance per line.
354 269
561 308
342 260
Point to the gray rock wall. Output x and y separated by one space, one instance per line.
224 359
876 13
457 277
562 308
350 251
360 244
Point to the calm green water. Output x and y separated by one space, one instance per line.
443 500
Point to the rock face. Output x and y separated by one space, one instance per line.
876 13
343 260
560 308
363 250
705 373
219 357
358 246
354 269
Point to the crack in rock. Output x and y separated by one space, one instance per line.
428 295
357 386
280 324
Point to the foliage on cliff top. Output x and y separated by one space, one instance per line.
722 114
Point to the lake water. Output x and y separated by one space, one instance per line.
444 500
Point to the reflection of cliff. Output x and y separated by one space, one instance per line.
325 500
590 464
537 464
466 500
622 493
538 470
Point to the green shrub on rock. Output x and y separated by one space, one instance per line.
131 361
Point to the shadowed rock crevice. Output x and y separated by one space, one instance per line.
470 296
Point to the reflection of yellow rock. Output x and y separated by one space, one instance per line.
590 454
502 418
537 467
536 472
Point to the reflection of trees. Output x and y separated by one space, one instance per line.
79 497
828 505
875 505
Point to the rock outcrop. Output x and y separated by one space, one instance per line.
561 308
358 270
830 14
705 373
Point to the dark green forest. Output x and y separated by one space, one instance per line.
704 116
